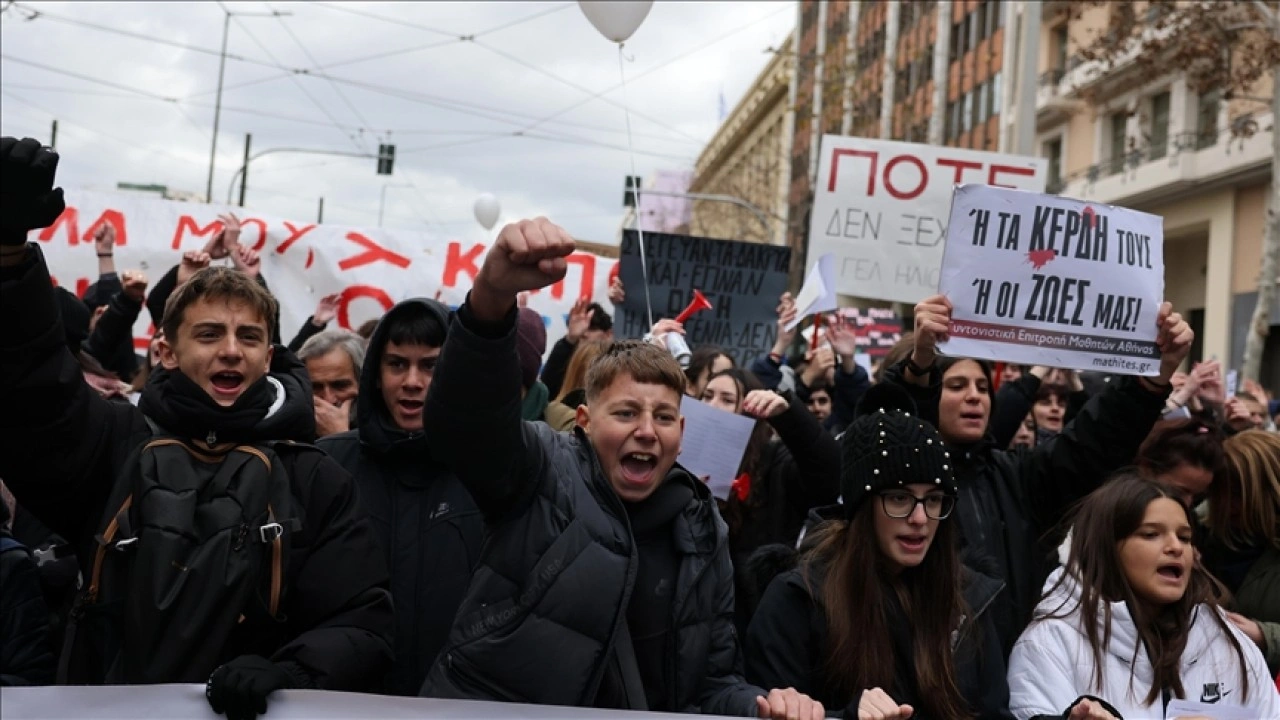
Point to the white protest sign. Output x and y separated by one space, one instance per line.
818 294
164 702
713 444
1233 382
881 208
372 268
1044 280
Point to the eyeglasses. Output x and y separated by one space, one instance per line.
899 504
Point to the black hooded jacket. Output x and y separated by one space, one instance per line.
67 446
427 525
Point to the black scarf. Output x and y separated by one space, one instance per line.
181 407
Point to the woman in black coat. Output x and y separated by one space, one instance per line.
880 618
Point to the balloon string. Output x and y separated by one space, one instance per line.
644 263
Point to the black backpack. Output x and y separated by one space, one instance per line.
192 543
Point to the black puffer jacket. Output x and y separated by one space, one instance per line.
26 654
75 444
541 618
427 525
1011 500
787 645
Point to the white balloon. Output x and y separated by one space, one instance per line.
617 20
487 210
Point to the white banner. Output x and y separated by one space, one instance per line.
1045 280
372 268
881 207
166 702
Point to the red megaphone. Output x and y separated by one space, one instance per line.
699 302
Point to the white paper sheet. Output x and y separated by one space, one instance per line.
1217 711
714 441
818 294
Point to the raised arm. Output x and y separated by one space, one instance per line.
811 466
1105 436
60 436
472 415
115 328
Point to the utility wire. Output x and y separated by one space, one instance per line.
337 125
354 110
389 91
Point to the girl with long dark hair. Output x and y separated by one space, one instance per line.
1133 621
779 478
880 617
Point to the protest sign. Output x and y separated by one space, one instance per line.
878 329
743 282
372 268
165 702
818 293
1044 280
881 207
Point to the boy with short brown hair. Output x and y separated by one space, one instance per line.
606 579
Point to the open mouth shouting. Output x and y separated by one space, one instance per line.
226 385
1172 573
638 468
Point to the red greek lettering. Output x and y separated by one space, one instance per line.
373 253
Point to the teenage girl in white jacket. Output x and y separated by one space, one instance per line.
1132 623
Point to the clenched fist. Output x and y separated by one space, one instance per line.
528 255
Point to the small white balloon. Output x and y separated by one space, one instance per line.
487 210
617 20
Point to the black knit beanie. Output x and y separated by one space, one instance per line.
889 446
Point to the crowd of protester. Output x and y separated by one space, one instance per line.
426 507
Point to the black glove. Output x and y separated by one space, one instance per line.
240 688
28 199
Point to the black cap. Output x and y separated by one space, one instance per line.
889 446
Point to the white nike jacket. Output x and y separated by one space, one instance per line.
1052 665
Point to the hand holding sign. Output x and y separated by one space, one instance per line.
933 322
1174 340
528 255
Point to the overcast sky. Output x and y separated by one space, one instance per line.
451 106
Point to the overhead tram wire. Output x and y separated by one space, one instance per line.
337 125
692 51
64 120
492 135
350 106
384 90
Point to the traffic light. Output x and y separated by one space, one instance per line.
386 158
629 195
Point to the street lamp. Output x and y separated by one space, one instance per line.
239 173
382 204
217 105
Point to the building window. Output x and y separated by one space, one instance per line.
980 104
994 17
1159 125
994 95
1119 125
975 26
1060 40
1207 119
966 113
1052 151
980 20
957 124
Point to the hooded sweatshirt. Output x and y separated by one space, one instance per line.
425 521
1052 664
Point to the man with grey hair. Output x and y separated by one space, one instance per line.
334 359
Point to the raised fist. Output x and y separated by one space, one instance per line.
29 200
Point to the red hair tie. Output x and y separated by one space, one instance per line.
741 487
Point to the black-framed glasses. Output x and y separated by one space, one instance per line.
900 504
